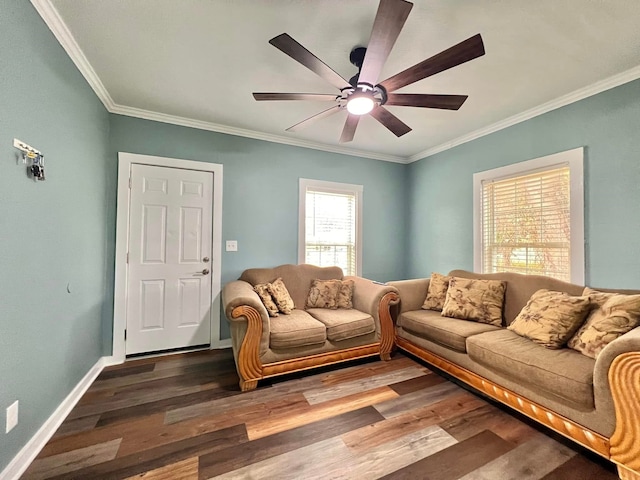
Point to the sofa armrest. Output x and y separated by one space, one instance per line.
617 388
376 300
412 293
250 329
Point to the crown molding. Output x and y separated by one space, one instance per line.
55 23
241 132
580 94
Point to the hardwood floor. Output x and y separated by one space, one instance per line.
184 417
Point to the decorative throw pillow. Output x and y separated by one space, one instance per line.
550 318
345 295
437 292
262 290
324 294
615 314
478 300
280 294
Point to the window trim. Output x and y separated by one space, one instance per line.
330 187
574 158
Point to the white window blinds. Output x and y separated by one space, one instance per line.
526 223
330 229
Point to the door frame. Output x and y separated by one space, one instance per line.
125 160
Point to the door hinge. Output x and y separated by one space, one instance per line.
127 257
125 333
129 182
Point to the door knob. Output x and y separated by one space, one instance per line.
205 259
205 271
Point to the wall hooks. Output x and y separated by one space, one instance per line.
32 158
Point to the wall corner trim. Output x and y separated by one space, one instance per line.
30 451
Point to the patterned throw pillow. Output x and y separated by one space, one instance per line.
280 294
262 290
345 295
551 318
437 292
478 300
615 314
324 294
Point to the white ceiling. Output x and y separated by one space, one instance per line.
196 62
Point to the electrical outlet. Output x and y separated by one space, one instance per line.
232 245
12 416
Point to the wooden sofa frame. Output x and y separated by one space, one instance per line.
251 369
623 448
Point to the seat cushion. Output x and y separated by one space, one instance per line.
343 324
564 373
450 332
296 330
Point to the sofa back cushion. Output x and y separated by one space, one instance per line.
297 278
520 288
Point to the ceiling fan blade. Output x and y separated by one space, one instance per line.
349 129
445 102
288 45
321 97
389 120
462 52
317 116
389 21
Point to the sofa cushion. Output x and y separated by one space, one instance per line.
262 290
449 332
280 294
324 294
296 330
343 324
478 300
564 373
551 318
436 292
614 315
345 295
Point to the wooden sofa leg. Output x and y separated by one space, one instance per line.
385 356
624 379
387 329
248 385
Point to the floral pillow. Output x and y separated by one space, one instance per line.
345 295
477 300
437 292
615 314
550 318
324 294
263 292
280 294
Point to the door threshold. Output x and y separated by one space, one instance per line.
164 353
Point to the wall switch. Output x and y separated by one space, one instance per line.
232 245
12 416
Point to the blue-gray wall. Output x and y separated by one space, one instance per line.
52 233
260 195
440 229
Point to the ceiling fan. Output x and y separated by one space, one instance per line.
361 95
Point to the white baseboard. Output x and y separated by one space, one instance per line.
30 451
224 343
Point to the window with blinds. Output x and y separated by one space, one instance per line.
527 224
526 220
330 225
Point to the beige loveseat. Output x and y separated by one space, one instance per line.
265 346
594 402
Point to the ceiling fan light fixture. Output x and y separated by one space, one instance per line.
360 104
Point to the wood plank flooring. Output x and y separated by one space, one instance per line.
182 417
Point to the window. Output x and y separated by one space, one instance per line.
330 228
529 218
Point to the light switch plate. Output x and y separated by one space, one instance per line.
232 245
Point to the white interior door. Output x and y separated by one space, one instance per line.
169 280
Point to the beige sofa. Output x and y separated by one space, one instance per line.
266 346
594 402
